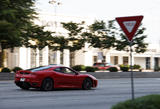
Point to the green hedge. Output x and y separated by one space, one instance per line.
79 67
5 69
90 69
145 102
124 68
136 66
113 69
15 69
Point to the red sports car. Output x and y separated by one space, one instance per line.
104 66
54 76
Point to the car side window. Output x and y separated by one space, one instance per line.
68 71
61 70
102 65
57 69
64 70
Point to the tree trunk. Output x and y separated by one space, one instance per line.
72 58
2 58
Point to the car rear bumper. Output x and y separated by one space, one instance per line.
27 81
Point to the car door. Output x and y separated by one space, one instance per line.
67 78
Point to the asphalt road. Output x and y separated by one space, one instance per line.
108 93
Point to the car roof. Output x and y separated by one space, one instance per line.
45 67
56 65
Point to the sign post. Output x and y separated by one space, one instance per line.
129 26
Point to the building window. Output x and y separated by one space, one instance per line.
40 57
115 60
94 59
72 59
61 58
125 60
104 59
33 58
148 63
156 62
52 57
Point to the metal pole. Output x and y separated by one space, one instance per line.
55 4
132 78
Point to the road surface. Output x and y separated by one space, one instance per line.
108 93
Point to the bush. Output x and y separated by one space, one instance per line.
124 68
135 66
90 69
15 69
79 67
96 69
145 102
5 70
113 69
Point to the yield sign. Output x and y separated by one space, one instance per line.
129 25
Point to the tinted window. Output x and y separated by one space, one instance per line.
64 70
58 70
101 64
69 71
39 68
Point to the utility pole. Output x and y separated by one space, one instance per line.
55 4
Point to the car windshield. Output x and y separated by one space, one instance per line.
109 64
39 68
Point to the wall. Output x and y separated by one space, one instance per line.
13 58
140 61
80 57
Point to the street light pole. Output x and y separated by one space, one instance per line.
55 4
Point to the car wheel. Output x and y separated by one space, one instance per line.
47 84
87 84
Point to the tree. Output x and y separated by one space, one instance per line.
122 43
58 43
99 35
36 37
14 16
109 36
74 40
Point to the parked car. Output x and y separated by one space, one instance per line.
54 76
104 66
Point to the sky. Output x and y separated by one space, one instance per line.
110 9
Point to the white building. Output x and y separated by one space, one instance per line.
28 58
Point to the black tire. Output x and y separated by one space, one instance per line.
47 84
87 84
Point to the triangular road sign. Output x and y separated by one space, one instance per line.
129 25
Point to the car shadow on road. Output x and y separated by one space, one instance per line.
60 89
